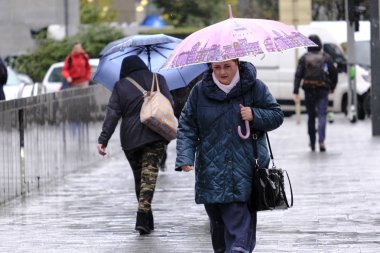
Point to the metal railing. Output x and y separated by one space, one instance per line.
44 137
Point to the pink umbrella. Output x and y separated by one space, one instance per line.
234 38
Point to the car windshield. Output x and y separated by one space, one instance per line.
56 75
12 77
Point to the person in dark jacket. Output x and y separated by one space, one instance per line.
317 86
207 138
143 147
3 78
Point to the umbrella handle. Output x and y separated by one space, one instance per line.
247 134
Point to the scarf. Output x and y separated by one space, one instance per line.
224 87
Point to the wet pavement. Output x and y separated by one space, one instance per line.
337 207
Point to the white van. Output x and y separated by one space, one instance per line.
277 71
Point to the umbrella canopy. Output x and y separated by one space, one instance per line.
235 38
137 40
153 50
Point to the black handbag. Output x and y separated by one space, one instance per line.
268 188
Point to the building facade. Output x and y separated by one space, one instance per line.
19 17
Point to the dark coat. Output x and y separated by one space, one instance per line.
126 101
301 70
207 136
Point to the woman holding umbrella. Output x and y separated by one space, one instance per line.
143 147
226 96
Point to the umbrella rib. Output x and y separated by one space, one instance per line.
162 47
183 79
158 52
139 50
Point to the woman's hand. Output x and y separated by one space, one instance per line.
246 113
102 149
187 168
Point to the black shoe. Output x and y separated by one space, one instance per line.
322 147
142 223
150 220
312 147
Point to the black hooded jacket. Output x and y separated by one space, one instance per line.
301 67
126 101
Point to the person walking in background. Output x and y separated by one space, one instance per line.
3 78
224 164
76 69
320 77
144 148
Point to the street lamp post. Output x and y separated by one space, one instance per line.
375 65
66 10
351 73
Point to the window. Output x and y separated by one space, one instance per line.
56 76
13 79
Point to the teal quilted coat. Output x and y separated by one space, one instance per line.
207 136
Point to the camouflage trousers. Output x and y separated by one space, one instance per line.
145 162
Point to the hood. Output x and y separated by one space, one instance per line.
247 80
316 40
131 64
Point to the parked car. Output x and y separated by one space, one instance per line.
53 78
20 85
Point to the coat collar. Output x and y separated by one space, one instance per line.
247 80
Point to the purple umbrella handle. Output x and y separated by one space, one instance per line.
247 134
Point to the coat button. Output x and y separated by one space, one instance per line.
229 130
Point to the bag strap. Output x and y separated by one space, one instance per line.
137 85
291 191
155 83
140 88
255 153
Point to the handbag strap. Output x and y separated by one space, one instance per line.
155 83
140 88
255 153
137 85
291 191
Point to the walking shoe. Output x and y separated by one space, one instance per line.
142 223
150 220
312 147
322 147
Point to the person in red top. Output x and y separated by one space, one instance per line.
77 69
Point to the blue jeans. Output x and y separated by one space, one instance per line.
316 101
232 227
